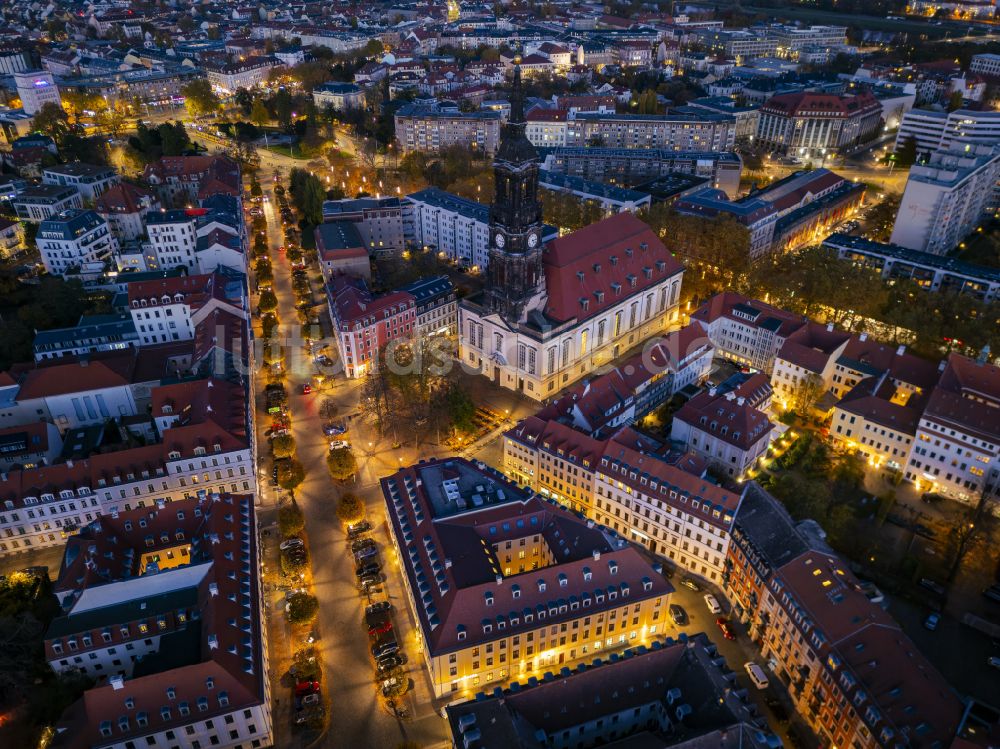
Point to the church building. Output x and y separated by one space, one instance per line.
552 312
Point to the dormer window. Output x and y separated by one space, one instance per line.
597 267
613 260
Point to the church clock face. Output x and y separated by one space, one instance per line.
532 240
499 239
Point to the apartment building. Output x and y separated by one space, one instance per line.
183 180
170 309
853 675
163 605
645 697
632 167
76 241
342 250
546 128
338 96
985 64
364 323
91 334
933 130
91 181
247 73
808 124
793 39
747 331
378 220
510 598
41 202
930 272
738 44
807 359
429 129
947 198
206 449
11 238
956 450
436 305
611 198
29 445
671 132
442 222
126 208
173 238
35 89
728 425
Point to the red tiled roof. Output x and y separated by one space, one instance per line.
604 264
744 425
197 290
796 104
352 301
546 115
812 345
121 198
79 376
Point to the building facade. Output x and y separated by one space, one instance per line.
429 129
813 125
75 241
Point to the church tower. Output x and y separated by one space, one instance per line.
515 267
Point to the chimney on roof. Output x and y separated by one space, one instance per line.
901 350
213 642
499 579
597 555
213 589
117 682
740 401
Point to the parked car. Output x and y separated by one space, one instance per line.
713 604
993 592
362 543
926 582
369 583
678 614
687 582
757 675
368 568
306 687
291 543
334 430
366 553
310 699
932 621
380 629
388 647
306 389
388 663
727 631
354 531
378 607
339 444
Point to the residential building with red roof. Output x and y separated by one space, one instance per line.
546 128
169 309
125 207
807 357
187 179
162 605
809 124
499 571
342 250
29 445
364 323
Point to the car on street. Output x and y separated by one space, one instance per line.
687 582
678 614
932 621
380 629
992 593
306 687
354 531
310 699
334 430
932 586
757 675
388 647
366 553
291 543
339 444
727 631
306 389
713 604
370 582
378 607
362 543
368 568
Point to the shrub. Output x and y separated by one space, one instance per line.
341 463
291 521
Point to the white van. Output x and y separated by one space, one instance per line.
713 604
757 675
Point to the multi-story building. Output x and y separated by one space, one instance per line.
126 207
436 304
11 238
637 698
378 220
510 598
364 323
806 361
793 39
75 241
808 124
35 89
933 130
985 64
956 451
206 449
747 118
931 272
705 131
249 73
37 443
631 167
611 198
747 331
738 44
91 181
170 309
41 202
947 198
91 334
173 238
546 128
341 250
338 96
164 606
822 636
183 180
727 427
429 129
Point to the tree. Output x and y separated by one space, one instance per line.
350 509
259 114
955 101
302 608
906 154
460 408
341 463
311 74
52 121
199 98
114 119
244 100
290 474
268 301
283 446
291 521
282 103
806 394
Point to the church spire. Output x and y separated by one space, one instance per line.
517 98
